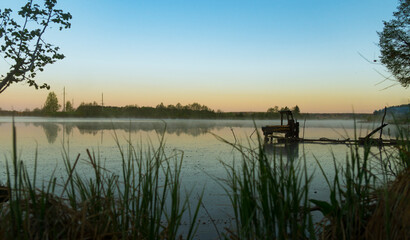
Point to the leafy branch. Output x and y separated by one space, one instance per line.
25 45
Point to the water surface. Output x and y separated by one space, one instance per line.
203 152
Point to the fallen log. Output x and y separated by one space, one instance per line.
360 141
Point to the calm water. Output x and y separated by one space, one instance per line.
203 153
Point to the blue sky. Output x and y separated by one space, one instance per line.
228 55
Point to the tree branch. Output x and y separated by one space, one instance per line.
24 28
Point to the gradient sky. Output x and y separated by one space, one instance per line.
230 55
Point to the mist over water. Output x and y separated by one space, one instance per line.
202 151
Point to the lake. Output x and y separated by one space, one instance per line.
203 152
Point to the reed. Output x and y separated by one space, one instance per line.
367 195
269 196
365 200
144 202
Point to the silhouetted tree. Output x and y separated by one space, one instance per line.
23 42
89 109
51 105
194 106
161 105
197 107
296 109
275 109
170 106
179 106
394 44
285 108
69 107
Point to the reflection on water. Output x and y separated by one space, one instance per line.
68 128
322 128
50 129
203 153
289 150
175 128
192 128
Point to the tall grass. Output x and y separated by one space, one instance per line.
350 195
144 202
368 202
269 195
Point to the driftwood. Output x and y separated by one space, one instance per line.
375 130
325 140
360 141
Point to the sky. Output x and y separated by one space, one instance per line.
230 55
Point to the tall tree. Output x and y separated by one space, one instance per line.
23 43
69 107
51 104
394 44
275 109
296 110
285 108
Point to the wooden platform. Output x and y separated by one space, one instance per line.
289 133
290 130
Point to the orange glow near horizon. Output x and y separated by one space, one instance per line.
228 55
246 101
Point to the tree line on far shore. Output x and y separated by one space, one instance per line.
52 107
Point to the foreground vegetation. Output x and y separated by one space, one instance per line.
368 197
144 202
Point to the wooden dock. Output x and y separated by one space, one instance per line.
289 133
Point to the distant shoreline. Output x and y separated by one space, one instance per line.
399 113
395 114
195 115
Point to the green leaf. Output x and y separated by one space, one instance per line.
324 206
